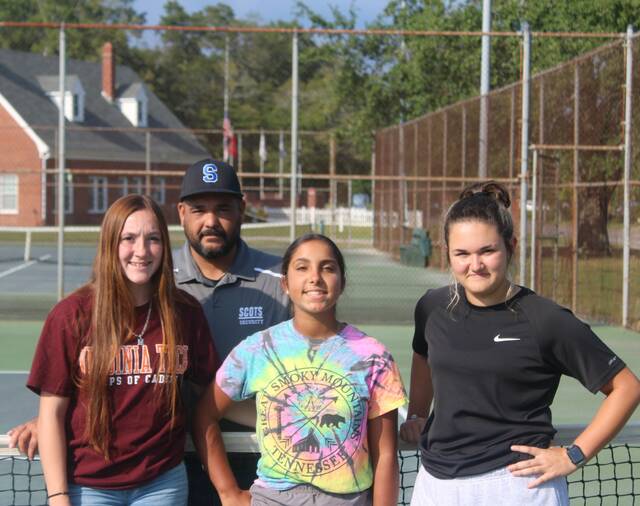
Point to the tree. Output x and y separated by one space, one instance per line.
82 44
381 85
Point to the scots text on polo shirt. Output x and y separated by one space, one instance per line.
250 315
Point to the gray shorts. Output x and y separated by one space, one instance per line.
306 495
495 488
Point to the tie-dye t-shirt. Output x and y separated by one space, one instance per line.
313 400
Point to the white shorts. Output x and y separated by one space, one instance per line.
495 488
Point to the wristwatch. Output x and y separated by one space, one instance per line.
576 456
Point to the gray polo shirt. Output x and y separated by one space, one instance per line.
248 298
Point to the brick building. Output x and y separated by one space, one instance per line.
113 123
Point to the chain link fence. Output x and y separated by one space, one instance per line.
575 202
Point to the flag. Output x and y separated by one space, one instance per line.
262 151
229 150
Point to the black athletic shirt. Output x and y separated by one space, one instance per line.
495 372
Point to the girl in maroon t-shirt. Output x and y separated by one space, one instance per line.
108 367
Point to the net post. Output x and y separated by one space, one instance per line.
27 245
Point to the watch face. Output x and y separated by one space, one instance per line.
575 455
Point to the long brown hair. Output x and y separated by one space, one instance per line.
113 316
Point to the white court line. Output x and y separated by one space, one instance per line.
14 372
24 266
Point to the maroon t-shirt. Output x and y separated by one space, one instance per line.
143 443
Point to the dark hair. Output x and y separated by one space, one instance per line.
335 251
487 202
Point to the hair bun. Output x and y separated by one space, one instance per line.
491 189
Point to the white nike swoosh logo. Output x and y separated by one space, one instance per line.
499 339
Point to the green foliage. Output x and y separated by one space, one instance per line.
351 85
81 44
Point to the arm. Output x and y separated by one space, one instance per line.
25 437
242 412
623 396
208 441
383 445
53 442
420 398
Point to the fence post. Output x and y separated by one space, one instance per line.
539 202
524 147
576 178
484 89
628 104
147 163
61 160
27 246
443 194
534 211
414 185
294 134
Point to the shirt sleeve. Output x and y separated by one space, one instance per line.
233 375
203 356
386 390
56 355
420 319
573 349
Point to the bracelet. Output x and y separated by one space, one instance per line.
413 417
57 494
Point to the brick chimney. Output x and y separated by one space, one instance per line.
108 72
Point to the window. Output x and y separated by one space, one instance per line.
158 190
76 106
136 185
99 194
130 185
141 116
9 194
68 194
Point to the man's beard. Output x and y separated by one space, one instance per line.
229 241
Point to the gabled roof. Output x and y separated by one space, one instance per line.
20 86
51 84
130 91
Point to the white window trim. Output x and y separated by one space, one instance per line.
17 208
159 193
68 191
98 185
131 185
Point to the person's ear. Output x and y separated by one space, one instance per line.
242 204
284 285
182 209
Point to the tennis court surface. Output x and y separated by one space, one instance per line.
379 298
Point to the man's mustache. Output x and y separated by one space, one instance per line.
211 232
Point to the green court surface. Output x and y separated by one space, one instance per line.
573 403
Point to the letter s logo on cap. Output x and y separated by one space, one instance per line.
210 173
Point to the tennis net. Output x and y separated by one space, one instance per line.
612 478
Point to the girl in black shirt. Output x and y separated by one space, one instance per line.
488 355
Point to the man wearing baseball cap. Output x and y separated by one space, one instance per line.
238 286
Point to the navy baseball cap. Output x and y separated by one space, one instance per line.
210 176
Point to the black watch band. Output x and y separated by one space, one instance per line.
576 455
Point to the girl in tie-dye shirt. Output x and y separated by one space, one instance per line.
326 397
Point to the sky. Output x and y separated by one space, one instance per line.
269 10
